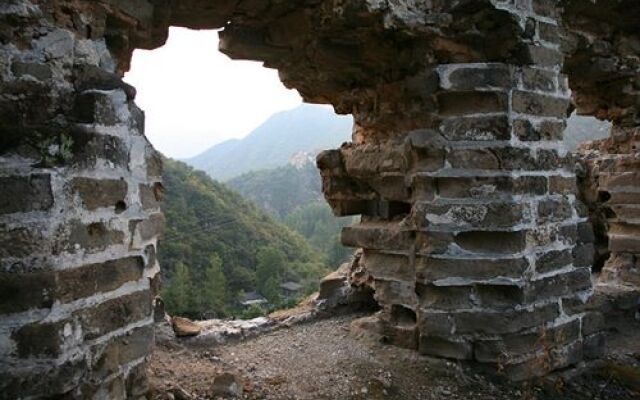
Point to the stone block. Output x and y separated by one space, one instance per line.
493 76
562 185
499 214
560 285
151 196
514 346
114 314
77 283
21 242
395 292
388 237
446 347
484 159
430 269
449 298
91 238
39 71
539 79
95 108
121 350
433 242
554 210
100 193
40 340
490 187
593 322
584 255
539 105
89 146
471 102
388 266
496 242
25 193
21 292
435 323
541 56
553 260
474 322
145 230
476 128
153 161
329 162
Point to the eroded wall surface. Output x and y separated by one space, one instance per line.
471 229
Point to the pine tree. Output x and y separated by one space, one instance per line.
214 288
178 295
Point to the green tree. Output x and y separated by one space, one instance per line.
269 270
178 295
214 288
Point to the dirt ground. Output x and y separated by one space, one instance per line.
325 360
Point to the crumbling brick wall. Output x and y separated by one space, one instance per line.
471 229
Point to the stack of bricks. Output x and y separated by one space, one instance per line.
470 225
79 216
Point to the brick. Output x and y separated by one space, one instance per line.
539 79
100 193
444 298
153 161
21 242
554 210
39 340
476 128
445 347
95 108
388 266
92 238
92 279
539 105
402 336
394 292
585 233
435 323
39 71
473 158
493 187
114 314
21 292
88 147
430 269
516 345
490 215
553 260
433 242
541 56
584 255
593 322
377 237
121 350
560 285
25 193
151 196
504 321
562 185
492 242
492 76
145 230
464 103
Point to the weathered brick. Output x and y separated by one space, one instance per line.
89 146
562 185
464 103
151 196
585 233
92 279
121 350
492 242
388 266
445 347
377 237
37 70
509 321
430 269
444 298
492 76
394 292
584 255
490 215
21 292
114 314
25 193
42 340
99 193
145 230
513 346
95 108
476 128
492 187
435 323
539 79
21 242
539 105
553 260
91 238
473 158
554 210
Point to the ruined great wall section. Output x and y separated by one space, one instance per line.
472 226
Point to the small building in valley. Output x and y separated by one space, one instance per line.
290 289
253 298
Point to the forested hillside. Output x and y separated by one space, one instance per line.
307 128
213 233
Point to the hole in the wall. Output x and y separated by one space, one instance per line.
196 101
121 207
604 196
403 316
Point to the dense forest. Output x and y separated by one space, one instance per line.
214 235
293 194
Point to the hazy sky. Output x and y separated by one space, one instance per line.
194 96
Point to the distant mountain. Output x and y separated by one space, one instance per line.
306 128
282 190
293 194
206 218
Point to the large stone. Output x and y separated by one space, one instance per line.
25 193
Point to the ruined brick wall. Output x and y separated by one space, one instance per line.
470 225
79 211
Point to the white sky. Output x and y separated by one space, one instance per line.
194 96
